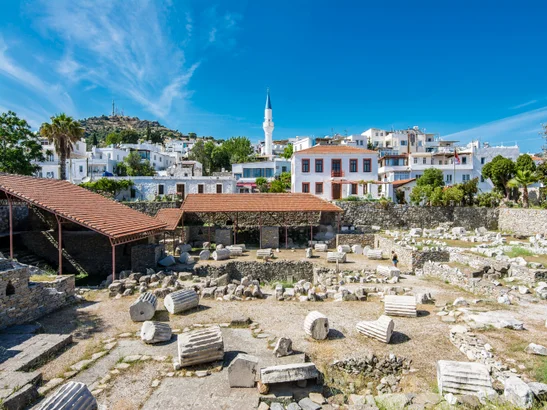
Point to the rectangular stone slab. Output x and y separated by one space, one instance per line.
288 373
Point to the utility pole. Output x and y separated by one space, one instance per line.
112 107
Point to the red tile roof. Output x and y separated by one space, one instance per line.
81 206
256 203
402 182
335 149
170 216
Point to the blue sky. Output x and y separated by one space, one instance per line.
465 70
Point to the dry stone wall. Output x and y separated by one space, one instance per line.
20 214
365 239
413 259
523 221
151 208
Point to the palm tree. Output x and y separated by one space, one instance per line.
62 132
522 180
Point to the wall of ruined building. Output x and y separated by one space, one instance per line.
411 259
31 300
270 237
20 214
263 271
145 256
363 239
89 249
394 216
523 221
151 207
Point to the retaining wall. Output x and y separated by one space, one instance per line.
523 221
363 239
413 259
151 208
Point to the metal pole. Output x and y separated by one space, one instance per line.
10 227
235 231
173 236
286 238
260 229
311 234
60 244
113 262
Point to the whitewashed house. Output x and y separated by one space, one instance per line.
335 171
246 173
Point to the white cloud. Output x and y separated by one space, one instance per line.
527 103
509 130
212 35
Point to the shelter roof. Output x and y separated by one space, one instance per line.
170 217
257 203
80 206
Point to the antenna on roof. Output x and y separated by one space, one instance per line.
113 107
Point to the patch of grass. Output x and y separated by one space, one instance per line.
43 278
284 283
517 251
540 372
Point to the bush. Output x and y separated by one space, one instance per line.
351 199
489 199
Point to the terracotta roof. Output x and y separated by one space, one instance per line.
335 149
170 217
402 182
81 206
256 203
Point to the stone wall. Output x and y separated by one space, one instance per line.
269 272
151 207
145 256
27 300
393 216
412 259
363 239
270 237
20 214
223 236
523 221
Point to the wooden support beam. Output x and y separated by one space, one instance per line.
10 226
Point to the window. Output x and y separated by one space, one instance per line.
133 193
482 178
200 188
50 158
432 161
465 177
305 165
424 160
219 188
154 157
415 160
160 189
352 165
354 189
365 189
318 188
483 160
367 165
160 159
448 178
118 157
284 168
81 169
418 176
306 187
319 165
403 143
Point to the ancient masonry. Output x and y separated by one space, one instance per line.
200 346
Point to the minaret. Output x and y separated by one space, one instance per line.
268 126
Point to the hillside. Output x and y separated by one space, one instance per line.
103 125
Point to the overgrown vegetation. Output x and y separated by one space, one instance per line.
108 187
517 251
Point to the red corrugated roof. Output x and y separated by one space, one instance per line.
80 205
170 217
335 149
257 203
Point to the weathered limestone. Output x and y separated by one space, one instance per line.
204 255
343 249
240 245
144 308
380 329
221 254
400 306
374 254
283 347
155 332
184 257
235 250
184 248
167 261
264 253
242 371
518 393
309 253
463 378
316 325
73 396
288 373
334 257
358 249
200 346
321 247
389 271
181 300
533 348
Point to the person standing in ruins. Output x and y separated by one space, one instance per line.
394 258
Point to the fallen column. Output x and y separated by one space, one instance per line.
334 257
70 396
389 271
380 329
463 378
344 249
316 325
264 253
221 254
235 250
374 254
181 300
155 332
321 247
143 308
400 306
204 255
358 249
288 373
200 346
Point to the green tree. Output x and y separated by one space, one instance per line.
500 170
277 186
129 137
113 139
240 149
285 178
421 194
452 195
135 166
107 186
63 132
20 148
489 199
156 137
469 189
525 163
288 151
523 179
192 135
148 132
262 184
432 177
220 158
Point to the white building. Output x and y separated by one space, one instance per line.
302 143
335 171
157 187
76 165
268 126
246 173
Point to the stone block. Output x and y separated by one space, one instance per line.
316 325
144 308
333 257
388 271
221 254
380 329
155 332
288 373
400 306
70 396
463 378
242 371
283 347
518 393
181 301
200 346
204 255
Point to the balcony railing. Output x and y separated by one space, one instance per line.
337 174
